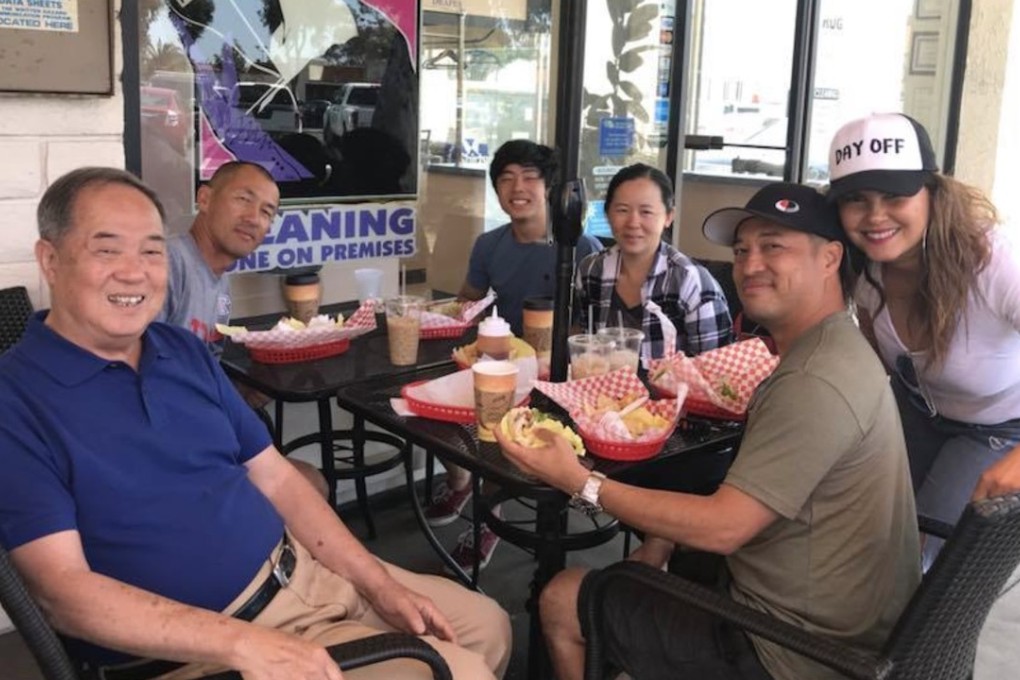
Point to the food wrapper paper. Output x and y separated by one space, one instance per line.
360 322
741 367
457 390
580 398
468 312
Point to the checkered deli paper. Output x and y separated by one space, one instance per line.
724 377
359 323
466 317
580 399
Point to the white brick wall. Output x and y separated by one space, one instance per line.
41 138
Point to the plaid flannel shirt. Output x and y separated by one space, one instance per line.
686 292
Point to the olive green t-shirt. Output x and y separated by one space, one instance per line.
824 449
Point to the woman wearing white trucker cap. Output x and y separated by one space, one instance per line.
939 299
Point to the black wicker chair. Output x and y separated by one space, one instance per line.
15 310
934 639
54 663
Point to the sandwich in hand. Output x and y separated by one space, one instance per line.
521 425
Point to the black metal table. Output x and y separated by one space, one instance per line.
318 381
694 460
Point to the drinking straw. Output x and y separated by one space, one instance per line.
591 319
403 280
619 318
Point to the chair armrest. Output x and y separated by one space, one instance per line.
375 649
934 527
848 660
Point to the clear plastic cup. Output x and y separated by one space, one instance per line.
403 323
369 283
589 355
627 350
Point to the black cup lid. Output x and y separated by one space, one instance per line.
538 303
301 279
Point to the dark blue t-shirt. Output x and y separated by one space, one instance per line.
147 466
518 270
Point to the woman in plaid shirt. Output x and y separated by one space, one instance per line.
642 273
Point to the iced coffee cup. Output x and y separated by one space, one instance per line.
495 387
403 322
589 355
627 346
538 326
303 293
494 338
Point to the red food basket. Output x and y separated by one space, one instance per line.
288 355
450 414
442 332
617 450
702 409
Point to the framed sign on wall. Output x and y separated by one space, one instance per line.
56 46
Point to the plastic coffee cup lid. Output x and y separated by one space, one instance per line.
538 303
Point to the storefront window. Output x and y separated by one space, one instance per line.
323 93
485 79
895 55
741 61
627 79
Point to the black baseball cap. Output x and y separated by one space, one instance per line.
795 206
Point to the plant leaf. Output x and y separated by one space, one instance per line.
639 112
638 30
619 8
630 60
631 90
612 73
643 13
619 39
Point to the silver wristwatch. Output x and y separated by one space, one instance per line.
587 499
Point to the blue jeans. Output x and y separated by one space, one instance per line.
946 458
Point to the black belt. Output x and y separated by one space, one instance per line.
253 606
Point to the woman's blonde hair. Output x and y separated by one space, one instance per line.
955 248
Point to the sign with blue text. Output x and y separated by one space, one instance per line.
616 136
335 233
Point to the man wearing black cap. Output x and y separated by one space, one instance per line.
815 517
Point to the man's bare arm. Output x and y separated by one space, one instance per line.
469 292
317 527
83 604
719 523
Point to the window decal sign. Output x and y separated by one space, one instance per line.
337 233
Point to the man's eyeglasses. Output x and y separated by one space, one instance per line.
907 372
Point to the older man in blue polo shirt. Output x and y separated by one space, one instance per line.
144 503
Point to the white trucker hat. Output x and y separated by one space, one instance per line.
888 152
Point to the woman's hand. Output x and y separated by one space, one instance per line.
1001 478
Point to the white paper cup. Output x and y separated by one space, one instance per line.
495 384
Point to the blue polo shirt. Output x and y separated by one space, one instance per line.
147 466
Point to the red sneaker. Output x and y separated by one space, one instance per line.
447 505
464 553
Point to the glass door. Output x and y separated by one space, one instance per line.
626 100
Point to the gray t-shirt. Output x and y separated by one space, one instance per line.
196 299
824 449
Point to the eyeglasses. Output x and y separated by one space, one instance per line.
907 372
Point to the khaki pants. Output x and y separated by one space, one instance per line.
320 606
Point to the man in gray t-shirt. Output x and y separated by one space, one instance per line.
235 210
815 518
